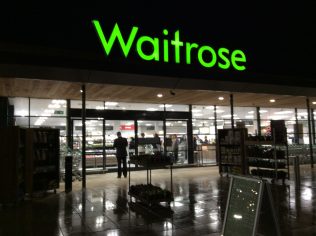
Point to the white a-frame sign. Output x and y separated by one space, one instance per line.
249 205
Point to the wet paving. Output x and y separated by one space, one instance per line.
198 209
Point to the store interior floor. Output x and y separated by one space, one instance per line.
200 194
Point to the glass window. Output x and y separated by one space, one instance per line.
204 129
203 112
175 107
21 106
99 105
21 121
52 122
246 117
137 106
48 107
223 115
286 114
176 141
111 105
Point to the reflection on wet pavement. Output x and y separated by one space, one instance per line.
198 209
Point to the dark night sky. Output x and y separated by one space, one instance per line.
278 38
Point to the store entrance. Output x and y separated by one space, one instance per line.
176 140
100 135
142 130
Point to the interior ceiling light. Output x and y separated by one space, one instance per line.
166 105
111 103
314 103
272 100
151 109
159 95
221 98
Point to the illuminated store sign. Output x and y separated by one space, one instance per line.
207 56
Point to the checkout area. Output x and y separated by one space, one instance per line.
205 154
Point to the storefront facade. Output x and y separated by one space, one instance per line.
164 52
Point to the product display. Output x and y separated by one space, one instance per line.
95 153
150 193
42 159
268 159
231 148
12 167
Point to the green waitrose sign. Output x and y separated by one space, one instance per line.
207 56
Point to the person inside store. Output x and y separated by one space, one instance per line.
175 147
120 145
205 140
157 143
141 144
194 143
132 146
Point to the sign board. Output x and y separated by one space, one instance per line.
127 127
244 206
172 48
57 112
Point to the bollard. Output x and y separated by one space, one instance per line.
68 173
297 171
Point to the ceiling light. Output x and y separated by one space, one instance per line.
99 107
55 105
81 91
221 98
111 103
159 95
151 109
249 117
314 103
220 111
272 100
49 111
166 105
55 101
21 113
283 112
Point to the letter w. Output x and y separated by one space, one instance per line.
116 33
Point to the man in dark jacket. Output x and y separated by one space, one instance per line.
120 144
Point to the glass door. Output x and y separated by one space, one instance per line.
127 129
176 140
94 143
150 137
